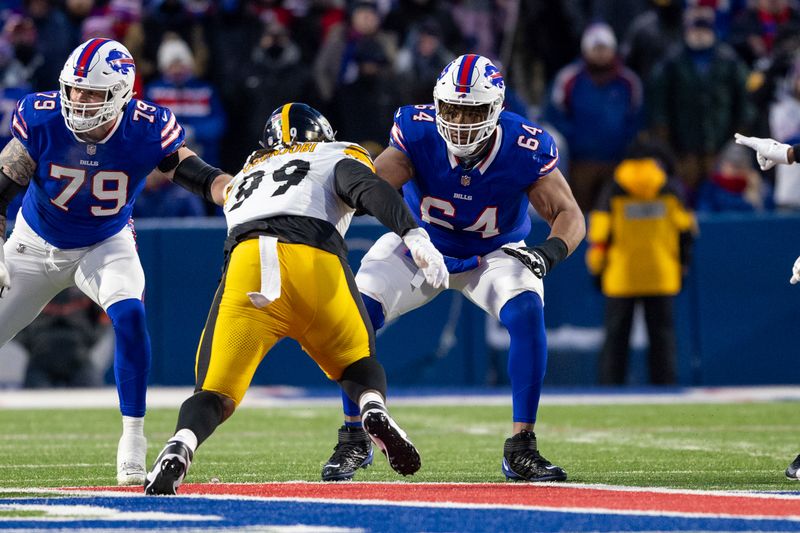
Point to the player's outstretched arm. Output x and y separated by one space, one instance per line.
16 169
553 200
185 168
769 152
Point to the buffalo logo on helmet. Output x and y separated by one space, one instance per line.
120 62
493 73
443 72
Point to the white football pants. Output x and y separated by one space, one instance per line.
389 276
107 272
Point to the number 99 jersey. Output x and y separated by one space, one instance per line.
295 181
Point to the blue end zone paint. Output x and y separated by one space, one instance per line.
378 518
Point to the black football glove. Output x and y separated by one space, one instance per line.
530 257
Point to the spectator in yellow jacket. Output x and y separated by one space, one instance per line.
640 235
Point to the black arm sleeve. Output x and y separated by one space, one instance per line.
8 190
196 176
362 189
553 250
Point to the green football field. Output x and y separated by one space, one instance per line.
742 446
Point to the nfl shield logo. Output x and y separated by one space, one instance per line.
91 149
465 181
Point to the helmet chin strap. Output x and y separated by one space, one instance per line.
469 161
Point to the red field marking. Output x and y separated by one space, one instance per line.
526 495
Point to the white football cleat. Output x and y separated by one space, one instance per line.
131 460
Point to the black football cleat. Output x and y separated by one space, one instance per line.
522 460
390 439
169 469
793 470
353 451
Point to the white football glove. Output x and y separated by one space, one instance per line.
427 257
795 272
768 151
5 277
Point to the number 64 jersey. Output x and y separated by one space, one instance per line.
476 210
297 181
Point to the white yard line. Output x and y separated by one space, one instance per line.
295 397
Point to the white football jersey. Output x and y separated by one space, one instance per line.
298 180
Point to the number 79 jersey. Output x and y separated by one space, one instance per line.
296 181
83 193
476 210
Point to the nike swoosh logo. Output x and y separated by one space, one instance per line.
337 465
551 467
166 116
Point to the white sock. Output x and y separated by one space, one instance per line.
370 396
133 425
187 437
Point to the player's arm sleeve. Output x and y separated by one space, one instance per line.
397 138
362 189
172 134
546 156
21 126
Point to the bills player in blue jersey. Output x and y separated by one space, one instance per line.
84 153
468 171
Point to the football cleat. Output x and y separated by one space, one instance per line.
390 439
131 459
169 469
793 470
353 451
522 460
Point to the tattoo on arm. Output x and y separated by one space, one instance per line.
16 163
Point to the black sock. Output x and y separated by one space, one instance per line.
201 413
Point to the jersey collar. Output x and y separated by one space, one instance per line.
484 163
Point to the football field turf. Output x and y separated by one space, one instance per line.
738 446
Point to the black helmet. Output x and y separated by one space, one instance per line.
294 122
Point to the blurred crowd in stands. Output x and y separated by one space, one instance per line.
598 73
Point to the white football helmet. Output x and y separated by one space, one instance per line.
99 65
474 82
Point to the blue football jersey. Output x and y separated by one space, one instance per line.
475 211
83 193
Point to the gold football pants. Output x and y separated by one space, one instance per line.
319 306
